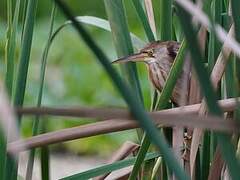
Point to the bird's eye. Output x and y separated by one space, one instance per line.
150 53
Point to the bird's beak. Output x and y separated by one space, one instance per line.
132 58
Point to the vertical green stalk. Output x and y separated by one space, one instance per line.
143 19
165 20
122 41
140 157
11 45
214 49
123 44
236 70
236 18
205 156
165 35
145 141
36 124
9 13
25 53
45 163
231 81
24 12
11 164
2 153
165 31
8 37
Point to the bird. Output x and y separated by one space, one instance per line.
159 57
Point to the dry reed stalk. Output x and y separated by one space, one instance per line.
189 121
194 94
7 117
111 113
216 76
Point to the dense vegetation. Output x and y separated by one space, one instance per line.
45 63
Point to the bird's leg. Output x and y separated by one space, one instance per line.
186 146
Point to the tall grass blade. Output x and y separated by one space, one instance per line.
10 56
11 48
102 24
109 168
22 70
164 36
236 70
214 48
143 19
45 168
133 102
140 157
9 14
214 45
214 11
236 18
150 35
205 156
25 53
23 17
122 41
230 81
207 89
178 34
165 9
36 125
2 153
165 20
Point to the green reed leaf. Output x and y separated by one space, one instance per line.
143 19
36 124
109 168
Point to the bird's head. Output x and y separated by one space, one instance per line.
152 52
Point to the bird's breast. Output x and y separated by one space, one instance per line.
158 74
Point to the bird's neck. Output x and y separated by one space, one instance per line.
157 74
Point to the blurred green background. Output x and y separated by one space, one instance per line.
73 76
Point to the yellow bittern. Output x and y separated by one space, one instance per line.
159 56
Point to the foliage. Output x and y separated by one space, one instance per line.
74 78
